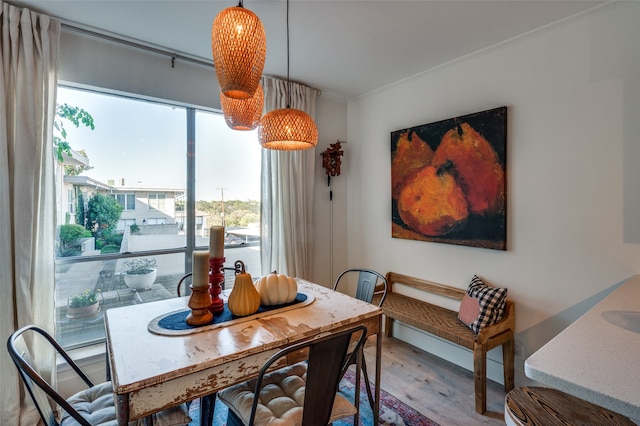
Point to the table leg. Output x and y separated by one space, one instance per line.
207 406
122 409
376 408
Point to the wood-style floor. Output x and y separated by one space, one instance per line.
440 390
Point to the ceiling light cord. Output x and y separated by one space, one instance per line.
288 79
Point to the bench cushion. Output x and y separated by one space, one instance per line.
482 305
434 319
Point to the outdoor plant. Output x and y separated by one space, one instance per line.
70 236
86 298
139 266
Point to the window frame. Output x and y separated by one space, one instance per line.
188 197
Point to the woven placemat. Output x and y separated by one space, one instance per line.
175 323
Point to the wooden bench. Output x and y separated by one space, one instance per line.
445 324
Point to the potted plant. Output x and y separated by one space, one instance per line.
83 304
139 274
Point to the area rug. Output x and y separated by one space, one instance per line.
393 412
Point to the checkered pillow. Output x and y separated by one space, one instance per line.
482 305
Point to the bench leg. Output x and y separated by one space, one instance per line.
508 362
387 325
480 375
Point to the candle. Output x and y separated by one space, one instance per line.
216 241
200 265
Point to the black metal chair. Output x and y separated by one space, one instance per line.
370 284
305 393
91 407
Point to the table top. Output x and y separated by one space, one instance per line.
597 358
140 359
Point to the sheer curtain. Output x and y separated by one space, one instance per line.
287 191
28 77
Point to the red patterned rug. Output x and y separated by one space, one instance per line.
393 412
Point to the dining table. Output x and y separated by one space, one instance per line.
597 357
152 369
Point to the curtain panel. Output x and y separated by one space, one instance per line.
28 78
287 191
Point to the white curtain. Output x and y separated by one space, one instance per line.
28 78
287 191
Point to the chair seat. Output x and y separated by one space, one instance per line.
281 398
550 407
96 404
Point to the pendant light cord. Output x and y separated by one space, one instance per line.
288 80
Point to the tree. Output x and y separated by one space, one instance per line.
103 214
76 170
75 116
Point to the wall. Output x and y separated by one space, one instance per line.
330 216
573 212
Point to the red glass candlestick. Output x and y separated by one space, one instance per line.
216 278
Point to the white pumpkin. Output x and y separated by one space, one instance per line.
277 289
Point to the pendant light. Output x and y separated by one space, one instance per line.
243 114
239 47
287 129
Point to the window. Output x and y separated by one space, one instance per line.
70 200
146 161
156 221
127 201
157 201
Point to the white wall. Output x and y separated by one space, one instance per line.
330 217
573 211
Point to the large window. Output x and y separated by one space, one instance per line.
132 203
127 201
157 201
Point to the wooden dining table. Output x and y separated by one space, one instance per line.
152 371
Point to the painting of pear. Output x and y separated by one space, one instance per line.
448 181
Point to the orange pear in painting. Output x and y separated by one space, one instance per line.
476 165
412 153
431 202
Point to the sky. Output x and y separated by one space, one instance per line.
144 143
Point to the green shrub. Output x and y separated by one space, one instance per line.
134 228
70 236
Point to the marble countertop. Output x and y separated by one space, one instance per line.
597 358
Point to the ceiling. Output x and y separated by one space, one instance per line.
343 48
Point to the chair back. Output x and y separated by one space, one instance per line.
370 283
327 361
39 389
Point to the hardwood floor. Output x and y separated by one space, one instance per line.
440 390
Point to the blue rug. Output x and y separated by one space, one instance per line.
393 412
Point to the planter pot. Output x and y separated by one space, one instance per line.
83 311
140 281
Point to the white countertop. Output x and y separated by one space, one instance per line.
597 358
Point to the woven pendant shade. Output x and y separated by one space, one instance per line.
243 114
287 129
239 47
